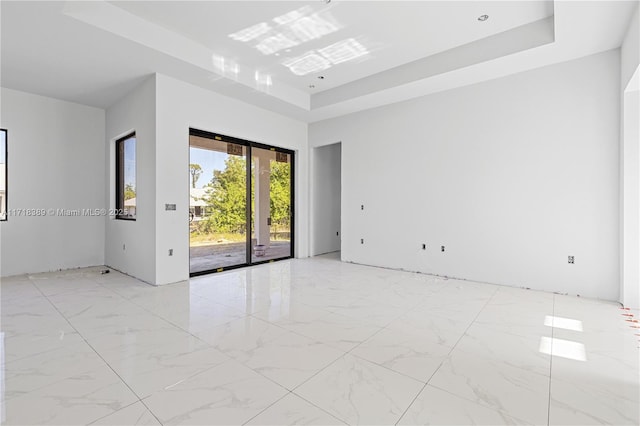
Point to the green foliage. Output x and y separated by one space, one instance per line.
129 191
280 195
227 195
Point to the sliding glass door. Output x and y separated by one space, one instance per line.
226 231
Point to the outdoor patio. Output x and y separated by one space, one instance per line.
223 255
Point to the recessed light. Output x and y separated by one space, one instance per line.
483 18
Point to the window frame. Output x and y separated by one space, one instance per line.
119 177
250 145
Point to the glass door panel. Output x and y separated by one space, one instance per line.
271 191
218 204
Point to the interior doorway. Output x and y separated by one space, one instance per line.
326 204
241 203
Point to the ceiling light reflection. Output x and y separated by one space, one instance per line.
263 81
293 15
312 27
218 63
565 323
343 51
225 67
275 43
563 348
252 32
293 28
306 64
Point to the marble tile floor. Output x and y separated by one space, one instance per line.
310 341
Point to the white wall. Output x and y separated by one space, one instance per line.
630 49
511 175
181 106
325 202
130 245
631 201
56 161
630 165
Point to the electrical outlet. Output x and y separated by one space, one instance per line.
424 246
572 259
170 252
361 240
361 206
124 247
442 248
337 234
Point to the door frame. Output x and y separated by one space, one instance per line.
249 145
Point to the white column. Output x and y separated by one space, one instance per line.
262 197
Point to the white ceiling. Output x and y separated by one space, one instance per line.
394 33
95 52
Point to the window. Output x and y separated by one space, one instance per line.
3 174
126 177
